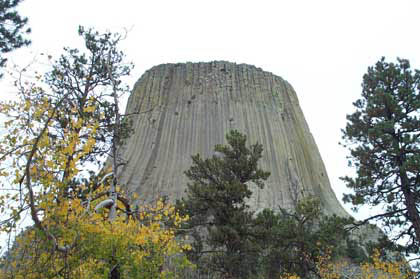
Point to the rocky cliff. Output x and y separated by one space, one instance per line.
183 109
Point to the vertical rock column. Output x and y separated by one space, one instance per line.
184 109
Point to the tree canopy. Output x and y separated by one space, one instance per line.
294 241
60 130
231 240
383 136
216 203
12 29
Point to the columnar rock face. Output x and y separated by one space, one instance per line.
185 109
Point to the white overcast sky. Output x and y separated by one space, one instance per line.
322 48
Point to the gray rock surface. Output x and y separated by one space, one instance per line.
187 108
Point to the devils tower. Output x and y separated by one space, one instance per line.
179 110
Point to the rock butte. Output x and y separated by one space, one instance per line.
187 108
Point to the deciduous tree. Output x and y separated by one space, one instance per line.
376 266
59 132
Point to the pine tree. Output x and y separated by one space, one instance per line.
220 220
383 136
12 29
292 242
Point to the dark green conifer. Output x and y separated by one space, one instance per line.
221 222
383 136
292 242
12 29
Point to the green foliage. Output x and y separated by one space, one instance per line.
220 220
232 241
293 242
79 79
383 136
66 120
125 248
12 29
84 225
355 252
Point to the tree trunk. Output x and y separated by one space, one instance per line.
115 272
413 214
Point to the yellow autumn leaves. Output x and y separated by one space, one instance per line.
42 163
374 268
142 247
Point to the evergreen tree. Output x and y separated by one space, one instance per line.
293 242
12 29
383 136
220 220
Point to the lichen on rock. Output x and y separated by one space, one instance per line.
187 108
